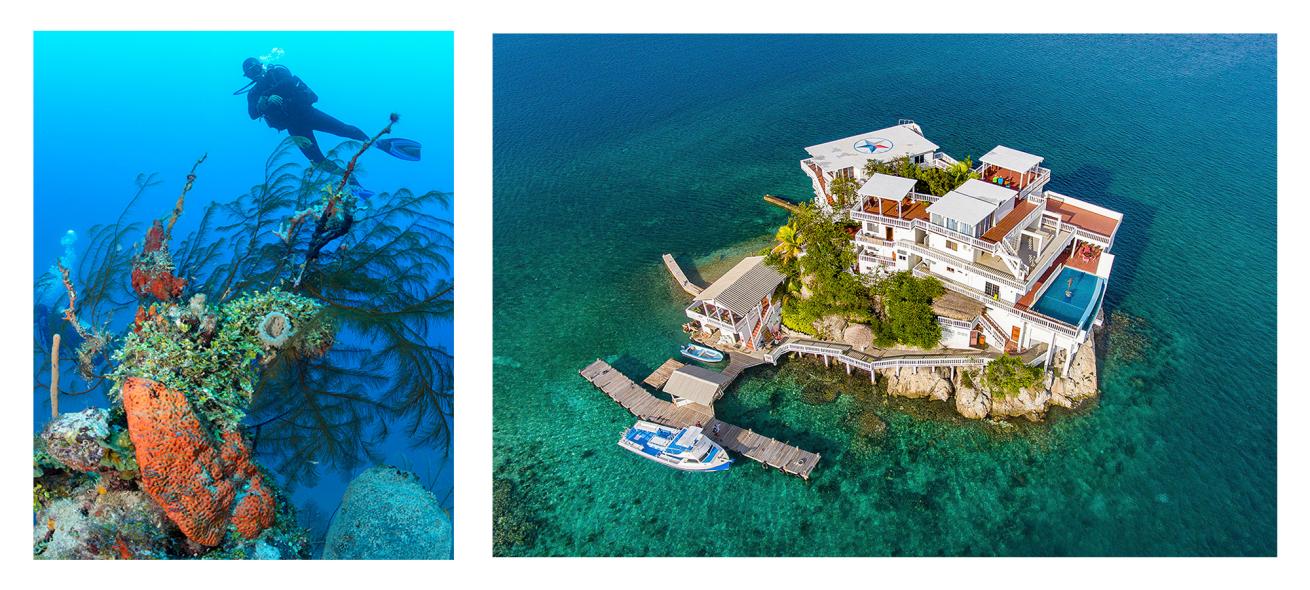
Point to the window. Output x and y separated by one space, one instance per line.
952 245
949 269
952 224
991 290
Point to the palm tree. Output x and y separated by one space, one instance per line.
790 243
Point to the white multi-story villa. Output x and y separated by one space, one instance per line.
738 309
1036 261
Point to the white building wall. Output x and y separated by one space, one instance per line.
953 337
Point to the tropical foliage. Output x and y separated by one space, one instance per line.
821 272
931 180
906 315
790 243
843 189
1007 375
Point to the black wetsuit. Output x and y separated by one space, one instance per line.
297 114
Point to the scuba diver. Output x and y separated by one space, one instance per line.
285 102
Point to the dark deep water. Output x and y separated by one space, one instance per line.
112 105
612 150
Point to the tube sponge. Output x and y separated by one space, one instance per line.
275 329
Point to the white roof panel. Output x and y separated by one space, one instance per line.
697 384
1011 159
742 288
961 207
886 186
883 145
986 191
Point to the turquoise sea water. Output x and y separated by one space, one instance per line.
612 150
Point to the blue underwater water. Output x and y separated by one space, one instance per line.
610 151
111 105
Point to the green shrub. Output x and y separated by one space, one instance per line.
798 317
1007 375
907 316
934 181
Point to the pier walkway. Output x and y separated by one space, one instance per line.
643 404
894 359
681 277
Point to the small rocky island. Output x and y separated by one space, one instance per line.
946 279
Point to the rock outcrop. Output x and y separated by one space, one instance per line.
76 439
1029 403
919 383
387 514
831 327
972 403
859 336
974 400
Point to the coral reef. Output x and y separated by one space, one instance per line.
387 514
227 351
74 439
94 522
212 355
86 441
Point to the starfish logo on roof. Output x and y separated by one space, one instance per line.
876 145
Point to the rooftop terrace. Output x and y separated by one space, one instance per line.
1082 217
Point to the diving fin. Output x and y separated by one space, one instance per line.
405 149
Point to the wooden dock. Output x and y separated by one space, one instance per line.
681 277
662 374
738 362
644 405
781 202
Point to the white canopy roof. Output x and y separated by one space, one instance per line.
883 145
886 186
742 288
1011 159
961 207
986 191
696 384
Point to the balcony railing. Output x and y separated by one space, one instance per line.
1043 175
739 327
866 256
954 323
859 214
870 240
979 296
942 257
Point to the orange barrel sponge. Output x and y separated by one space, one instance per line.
185 470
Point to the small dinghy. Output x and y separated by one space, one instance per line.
687 449
701 353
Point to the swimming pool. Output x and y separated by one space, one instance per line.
1071 297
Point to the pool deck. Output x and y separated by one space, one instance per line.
1028 298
